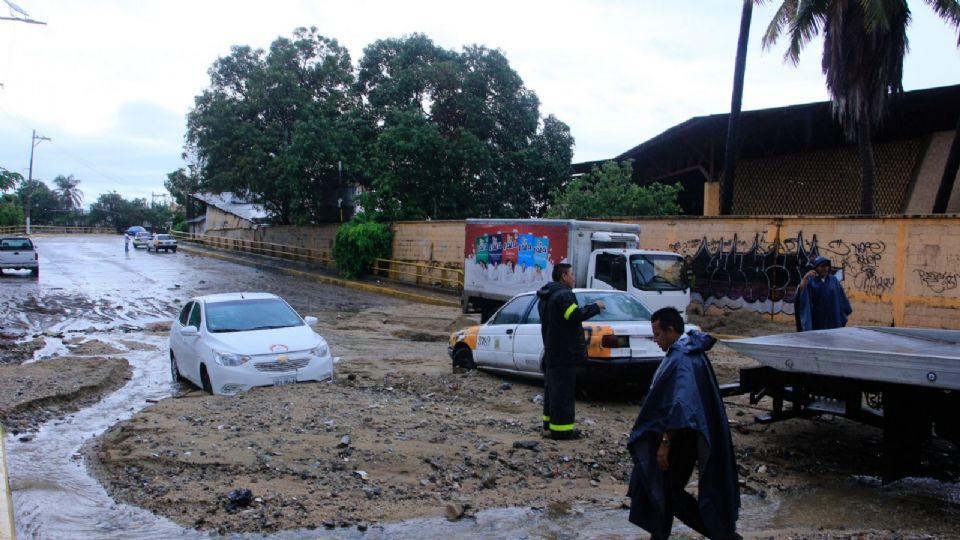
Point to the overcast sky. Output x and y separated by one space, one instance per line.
111 81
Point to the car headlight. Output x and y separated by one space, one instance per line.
320 350
230 359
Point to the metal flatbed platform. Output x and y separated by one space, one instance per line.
908 356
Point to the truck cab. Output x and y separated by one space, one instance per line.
653 277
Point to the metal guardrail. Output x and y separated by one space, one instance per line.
421 273
54 229
402 271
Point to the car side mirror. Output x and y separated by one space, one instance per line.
190 331
310 321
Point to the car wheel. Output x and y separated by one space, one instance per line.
174 250
463 359
174 370
35 272
205 380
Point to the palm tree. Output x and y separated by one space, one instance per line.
865 42
733 122
70 196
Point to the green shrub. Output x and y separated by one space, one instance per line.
358 242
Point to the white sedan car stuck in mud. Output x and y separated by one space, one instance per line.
620 344
227 343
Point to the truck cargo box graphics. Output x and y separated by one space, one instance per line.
511 259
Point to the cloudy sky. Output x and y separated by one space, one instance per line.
111 81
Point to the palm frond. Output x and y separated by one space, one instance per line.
948 10
780 19
875 14
807 23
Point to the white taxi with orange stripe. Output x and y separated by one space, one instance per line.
619 340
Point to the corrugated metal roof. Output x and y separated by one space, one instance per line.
232 204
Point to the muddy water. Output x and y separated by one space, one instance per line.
89 286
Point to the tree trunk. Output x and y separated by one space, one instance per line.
949 174
733 125
868 177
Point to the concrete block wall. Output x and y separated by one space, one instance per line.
896 270
902 270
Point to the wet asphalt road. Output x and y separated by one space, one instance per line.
91 281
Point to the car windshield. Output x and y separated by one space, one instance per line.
246 315
163 237
657 272
618 307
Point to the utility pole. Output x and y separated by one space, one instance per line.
37 139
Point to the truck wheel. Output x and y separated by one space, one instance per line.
463 360
35 272
174 250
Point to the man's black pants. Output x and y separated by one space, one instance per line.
559 397
681 460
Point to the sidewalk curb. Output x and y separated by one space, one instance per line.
7 531
339 282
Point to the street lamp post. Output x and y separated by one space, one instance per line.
37 139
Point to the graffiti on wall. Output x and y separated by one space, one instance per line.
938 282
762 275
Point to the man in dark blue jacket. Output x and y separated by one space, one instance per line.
564 348
683 424
820 303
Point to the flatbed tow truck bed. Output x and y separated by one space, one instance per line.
905 381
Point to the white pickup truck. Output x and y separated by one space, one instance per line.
19 253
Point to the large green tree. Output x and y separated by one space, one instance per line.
272 125
11 210
112 210
454 134
609 191
9 179
44 202
865 42
182 184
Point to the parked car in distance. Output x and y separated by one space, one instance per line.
165 242
620 342
19 253
227 343
141 239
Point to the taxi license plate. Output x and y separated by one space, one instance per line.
285 380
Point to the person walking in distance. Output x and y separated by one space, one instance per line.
683 424
820 303
564 348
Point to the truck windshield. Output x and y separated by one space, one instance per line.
657 272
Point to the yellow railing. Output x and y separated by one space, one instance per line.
404 271
419 273
54 229
281 251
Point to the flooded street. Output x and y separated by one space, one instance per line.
426 440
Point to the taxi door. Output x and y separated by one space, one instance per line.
495 340
528 342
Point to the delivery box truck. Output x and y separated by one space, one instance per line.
505 257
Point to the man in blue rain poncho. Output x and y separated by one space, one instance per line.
820 303
683 423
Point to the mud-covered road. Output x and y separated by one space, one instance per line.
397 437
